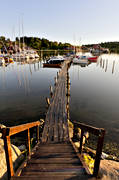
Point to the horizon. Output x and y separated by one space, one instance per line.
77 23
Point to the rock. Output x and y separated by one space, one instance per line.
22 147
109 169
104 155
1 127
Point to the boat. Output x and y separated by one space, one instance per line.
26 54
80 60
93 59
55 61
8 59
52 65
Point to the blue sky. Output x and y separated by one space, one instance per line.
73 21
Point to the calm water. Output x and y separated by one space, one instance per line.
23 90
94 93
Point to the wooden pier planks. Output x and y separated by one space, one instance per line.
54 160
56 126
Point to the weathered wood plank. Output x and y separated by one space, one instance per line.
56 126
54 177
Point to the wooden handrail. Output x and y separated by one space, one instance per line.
9 131
91 129
100 132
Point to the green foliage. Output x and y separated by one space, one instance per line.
37 43
112 46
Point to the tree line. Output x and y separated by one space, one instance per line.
35 43
43 43
112 46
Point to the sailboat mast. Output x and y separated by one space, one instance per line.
23 34
19 35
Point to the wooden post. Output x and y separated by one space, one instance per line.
57 75
113 67
75 132
81 141
106 65
51 91
55 81
48 101
29 143
8 153
98 152
37 134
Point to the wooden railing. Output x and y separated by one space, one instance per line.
100 132
8 132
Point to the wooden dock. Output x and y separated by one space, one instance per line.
54 156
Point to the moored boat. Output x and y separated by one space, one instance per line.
80 60
55 61
93 59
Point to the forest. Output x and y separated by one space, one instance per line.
35 43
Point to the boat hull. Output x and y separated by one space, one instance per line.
93 59
52 65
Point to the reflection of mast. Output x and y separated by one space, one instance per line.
35 67
4 78
30 68
19 80
38 65
23 79
26 81
113 67
23 33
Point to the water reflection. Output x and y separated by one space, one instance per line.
24 86
110 63
95 94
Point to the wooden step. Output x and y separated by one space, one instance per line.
54 155
54 177
54 160
61 172
49 167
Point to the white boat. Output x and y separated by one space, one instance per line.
56 60
80 60
26 54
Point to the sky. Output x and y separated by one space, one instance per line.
73 21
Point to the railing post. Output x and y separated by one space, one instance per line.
29 143
81 141
51 91
98 152
55 81
75 132
37 134
8 153
48 102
